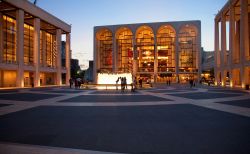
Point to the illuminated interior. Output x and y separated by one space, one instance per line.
104 39
111 78
125 50
166 53
50 50
7 78
188 51
9 37
28 45
149 51
145 49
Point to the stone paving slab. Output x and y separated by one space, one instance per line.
171 129
27 96
9 91
64 91
41 89
3 105
114 98
227 91
114 92
241 103
167 91
204 95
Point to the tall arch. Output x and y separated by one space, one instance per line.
124 39
165 51
104 47
188 51
145 49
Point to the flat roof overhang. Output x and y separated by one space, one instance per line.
39 13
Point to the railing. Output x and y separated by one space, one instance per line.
9 62
166 69
146 69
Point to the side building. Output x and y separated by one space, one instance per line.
232 57
30 46
160 51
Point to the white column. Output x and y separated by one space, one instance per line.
19 47
177 57
155 59
223 48
58 57
216 51
68 58
244 38
95 62
1 37
231 43
135 55
114 54
36 51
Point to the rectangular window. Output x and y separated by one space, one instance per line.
9 37
28 44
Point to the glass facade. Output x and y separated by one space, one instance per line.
166 49
158 52
187 49
28 45
105 50
125 50
9 40
145 49
50 50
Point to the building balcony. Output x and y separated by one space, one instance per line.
166 69
9 62
145 69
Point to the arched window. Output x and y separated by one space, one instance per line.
104 48
166 49
124 41
188 49
145 49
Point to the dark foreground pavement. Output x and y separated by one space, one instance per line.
167 129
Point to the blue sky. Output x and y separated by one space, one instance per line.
85 14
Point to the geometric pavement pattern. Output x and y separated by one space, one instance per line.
169 119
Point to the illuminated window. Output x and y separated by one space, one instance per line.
125 50
28 44
145 49
104 47
9 35
50 50
188 49
41 47
165 49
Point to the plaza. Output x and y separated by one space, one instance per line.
163 119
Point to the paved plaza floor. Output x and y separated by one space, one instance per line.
166 119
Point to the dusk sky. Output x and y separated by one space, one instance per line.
85 14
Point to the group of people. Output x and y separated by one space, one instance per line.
77 82
123 83
168 82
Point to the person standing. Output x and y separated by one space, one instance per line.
140 82
125 83
117 83
70 82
